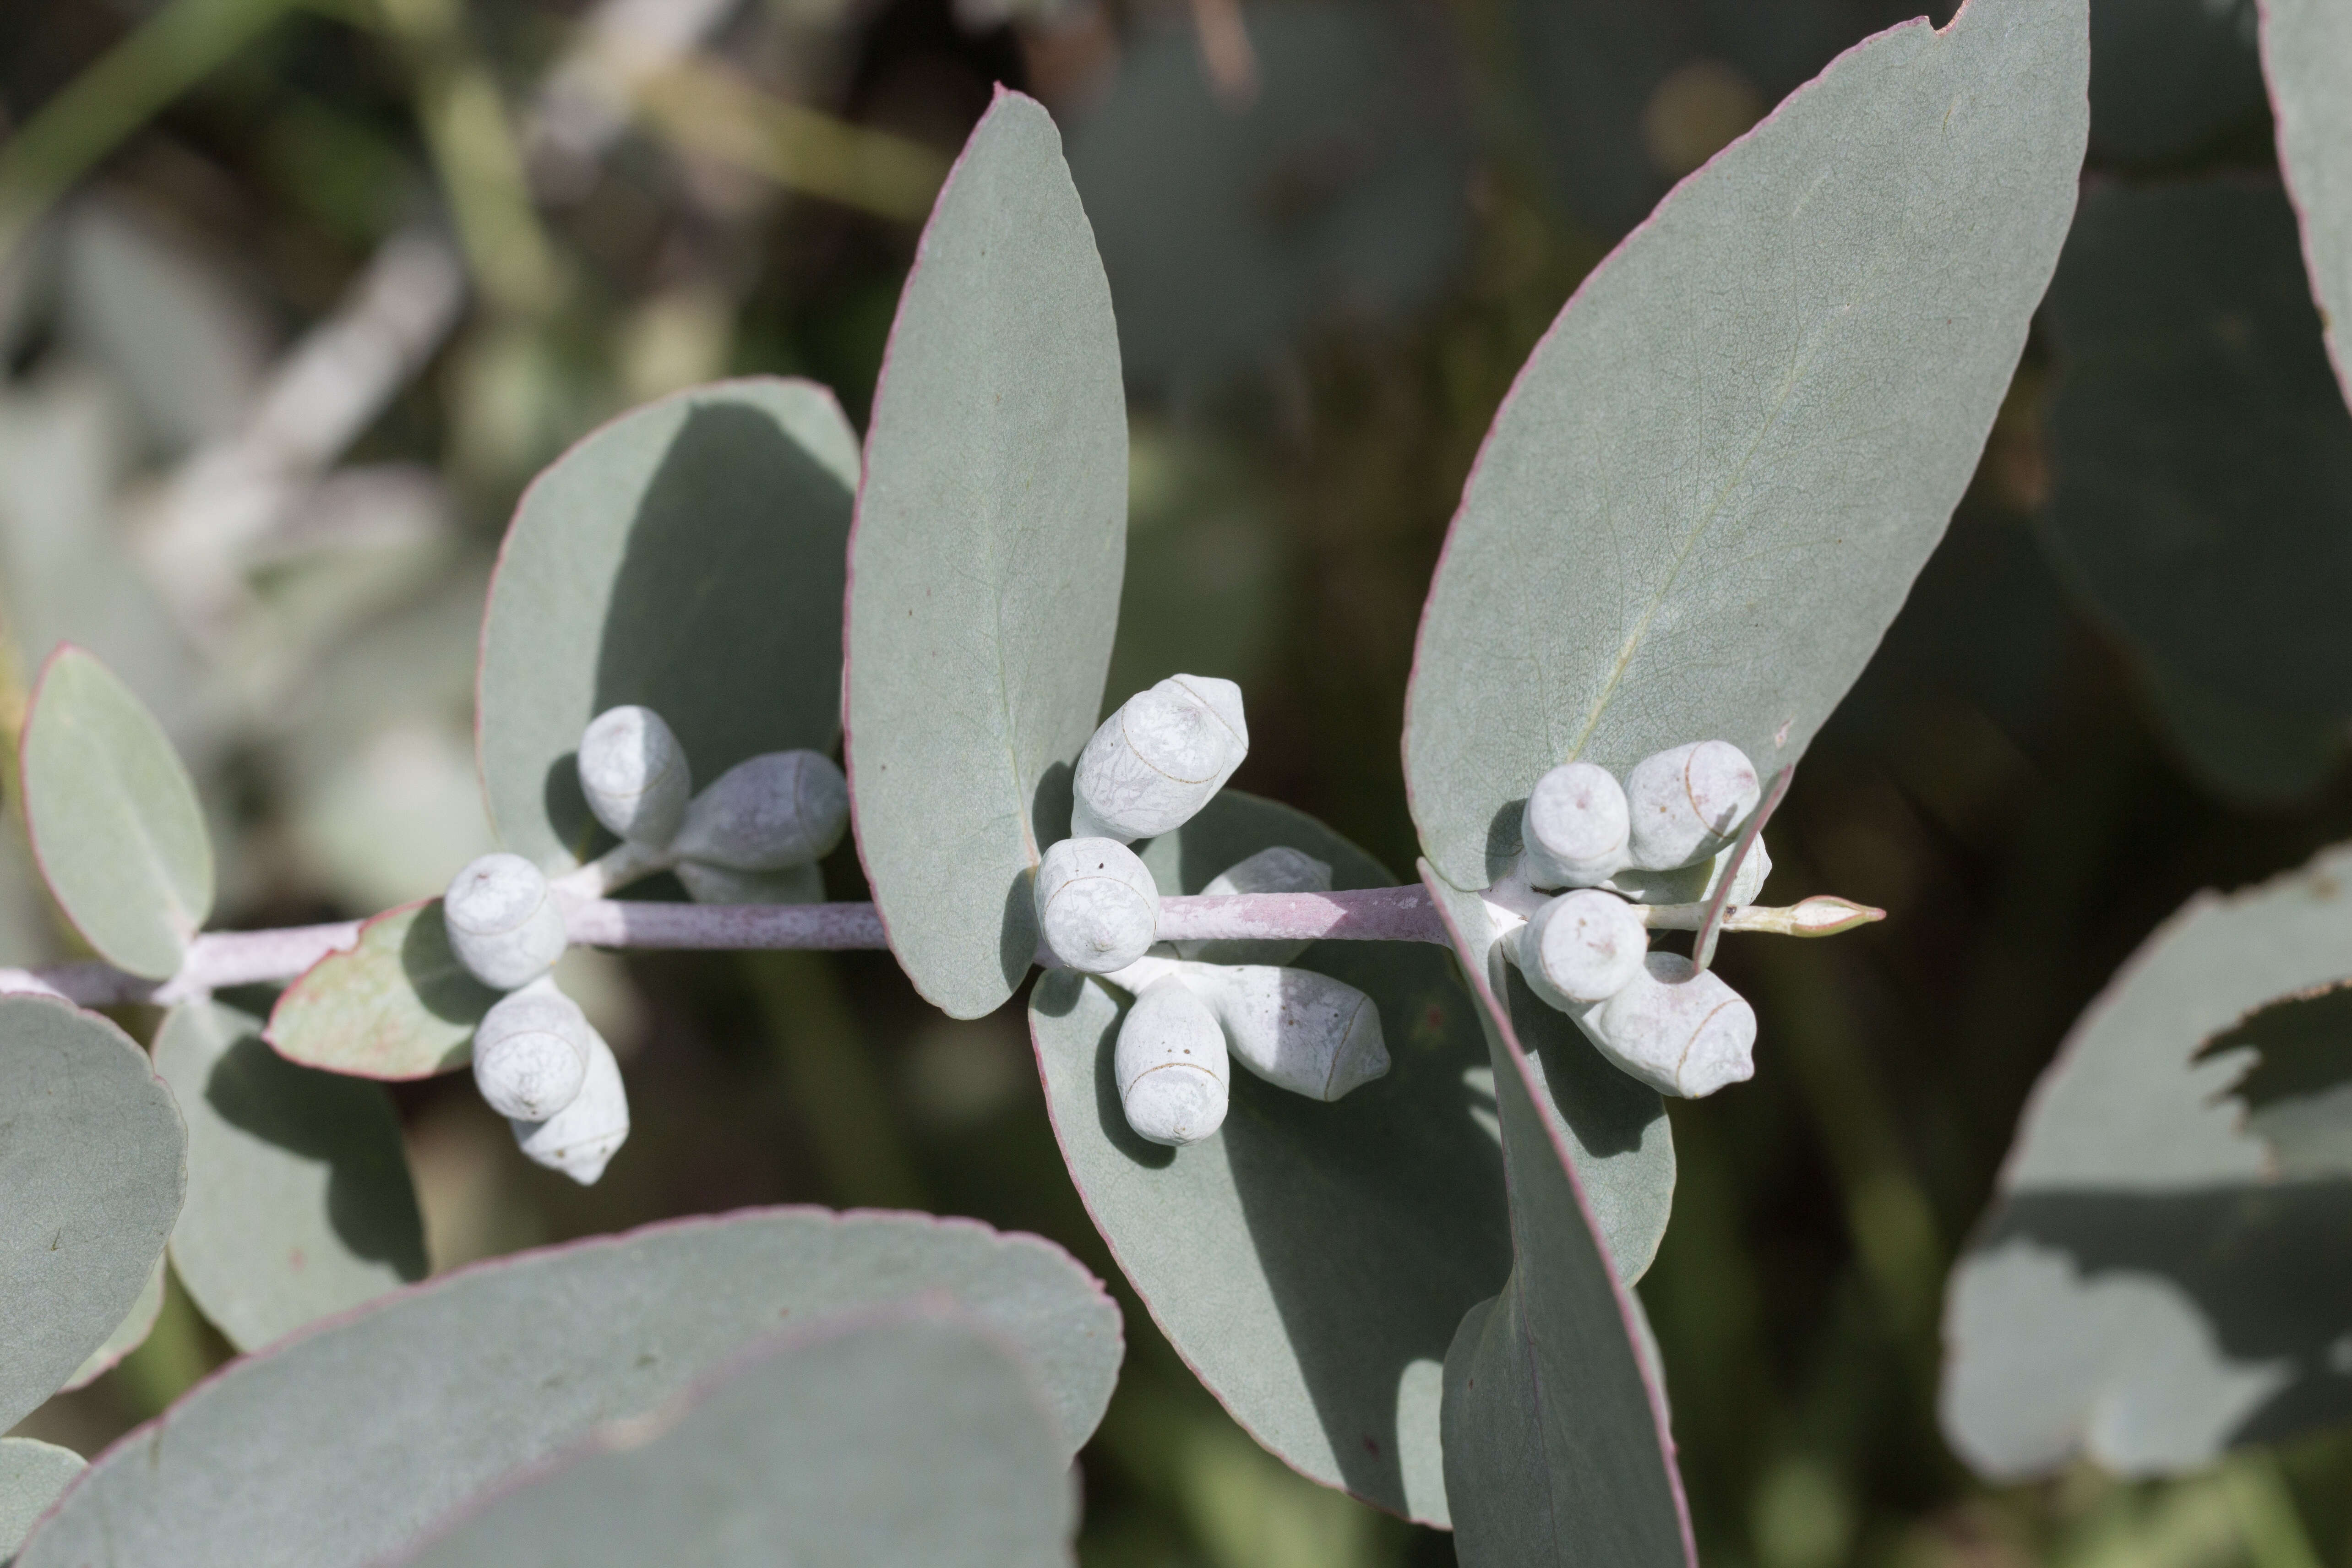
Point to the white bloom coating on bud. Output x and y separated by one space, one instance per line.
768 812
634 775
1280 870
1584 946
1576 828
1695 884
1159 759
1296 1028
1685 803
504 925
1097 907
1173 1079
802 884
583 1136
531 1052
1677 1027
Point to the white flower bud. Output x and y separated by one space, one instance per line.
1159 759
1584 946
634 775
1173 1080
531 1052
1685 803
1280 870
579 1139
1576 828
1296 1028
504 925
1677 1027
801 884
1098 906
766 813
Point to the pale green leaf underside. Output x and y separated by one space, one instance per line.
32 1474
2296 1090
337 1446
985 567
114 818
1716 477
687 557
300 1203
128 1335
1308 1261
397 1006
2307 59
2150 1288
92 1166
857 1444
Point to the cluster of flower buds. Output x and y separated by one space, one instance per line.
1666 835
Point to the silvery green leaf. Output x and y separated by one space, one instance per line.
857 1442
2155 1281
338 1445
300 1203
2296 1091
92 1166
984 570
2307 49
398 1005
32 1474
114 818
1309 1261
698 533
1556 1447
128 1335
1718 473
2250 754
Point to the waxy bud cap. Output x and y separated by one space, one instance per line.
634 775
581 1138
1097 907
1584 946
531 1052
503 922
1170 1065
1576 828
1685 803
1159 759
1677 1027
768 812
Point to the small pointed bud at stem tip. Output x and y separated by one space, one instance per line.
1159 759
531 1052
1576 828
1170 1065
768 812
1280 870
1296 1028
1687 803
1677 1027
504 925
1583 946
1097 907
581 1138
634 775
1823 914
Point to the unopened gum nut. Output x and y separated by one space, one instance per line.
582 1138
634 775
1159 759
1169 1063
1584 946
503 922
1297 1029
1575 827
1677 1027
531 1052
1685 803
1097 908
1280 870
768 812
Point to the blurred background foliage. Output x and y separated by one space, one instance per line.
295 296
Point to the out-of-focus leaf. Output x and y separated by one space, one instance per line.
114 818
2296 1090
2169 76
1556 1448
701 532
397 1006
2255 756
2306 47
2155 1282
2201 451
1309 1261
1718 474
300 1203
128 1335
1226 230
32 1474
92 1166
859 1443
984 570
336 1446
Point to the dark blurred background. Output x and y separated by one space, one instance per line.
295 297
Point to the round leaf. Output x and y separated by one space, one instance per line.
300 1203
128 1335
32 1474
984 570
338 1445
1309 1261
1718 473
2306 47
699 534
114 818
92 1166
398 1005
